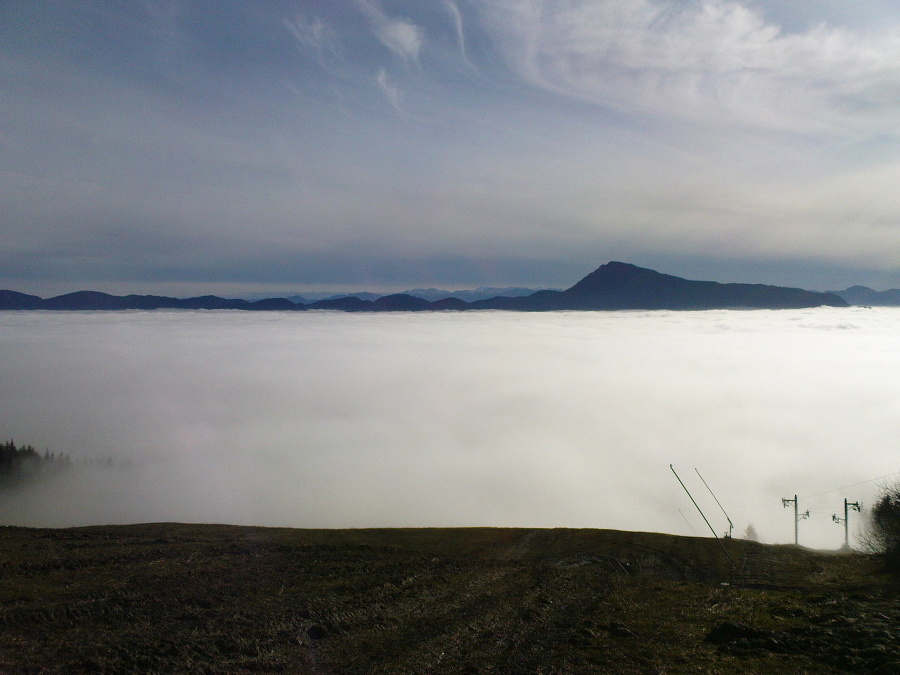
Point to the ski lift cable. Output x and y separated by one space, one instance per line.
871 480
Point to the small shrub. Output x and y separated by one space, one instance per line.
750 533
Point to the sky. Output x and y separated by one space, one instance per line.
520 419
233 147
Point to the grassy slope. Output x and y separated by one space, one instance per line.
173 598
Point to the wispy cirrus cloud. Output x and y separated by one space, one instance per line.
456 16
315 35
708 60
390 89
400 35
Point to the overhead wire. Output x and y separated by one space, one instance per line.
847 487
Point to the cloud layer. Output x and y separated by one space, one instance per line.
558 419
706 61
386 144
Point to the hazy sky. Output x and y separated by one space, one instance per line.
330 419
230 146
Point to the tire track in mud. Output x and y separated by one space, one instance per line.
512 615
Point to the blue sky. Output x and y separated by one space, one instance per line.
244 147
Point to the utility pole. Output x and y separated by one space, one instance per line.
845 521
797 517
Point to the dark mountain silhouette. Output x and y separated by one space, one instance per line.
480 293
863 295
16 300
540 301
300 300
94 300
430 294
86 300
618 285
450 303
347 303
615 285
273 304
151 302
401 302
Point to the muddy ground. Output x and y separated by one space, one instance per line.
170 598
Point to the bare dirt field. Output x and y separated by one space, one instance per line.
174 598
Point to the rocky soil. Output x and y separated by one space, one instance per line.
169 598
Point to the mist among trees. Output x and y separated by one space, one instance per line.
22 463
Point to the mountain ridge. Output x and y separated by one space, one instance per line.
613 286
863 295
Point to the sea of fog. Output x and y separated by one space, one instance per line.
557 419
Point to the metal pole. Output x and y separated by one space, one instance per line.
846 526
730 524
727 555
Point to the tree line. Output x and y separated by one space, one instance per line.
21 462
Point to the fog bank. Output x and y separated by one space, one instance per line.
323 419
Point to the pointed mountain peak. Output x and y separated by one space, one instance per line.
615 273
618 285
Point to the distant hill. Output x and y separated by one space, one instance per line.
304 300
473 295
94 300
15 300
618 285
430 294
615 285
863 295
